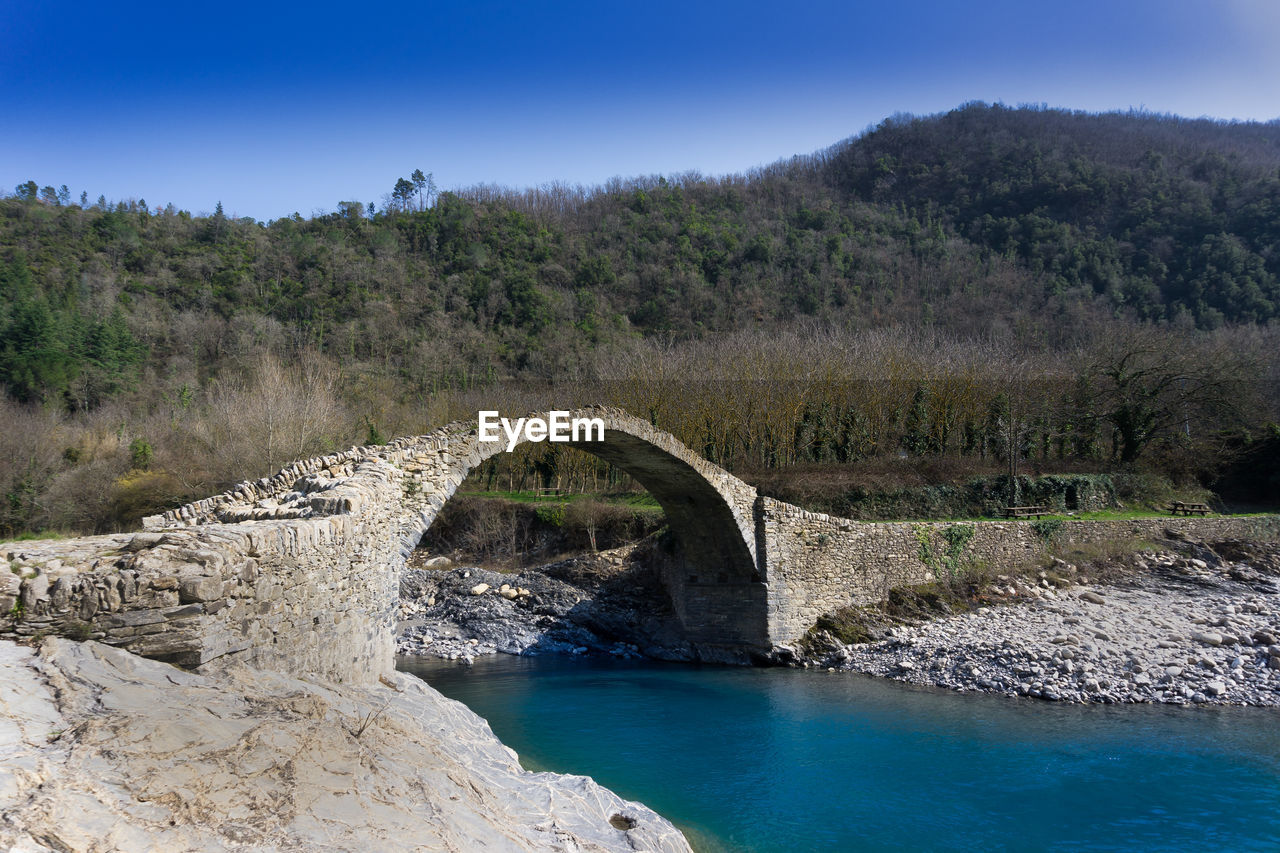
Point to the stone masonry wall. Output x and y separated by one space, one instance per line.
311 595
818 563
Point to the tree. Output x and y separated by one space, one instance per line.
1151 385
429 189
402 192
420 182
27 192
351 210
35 359
916 437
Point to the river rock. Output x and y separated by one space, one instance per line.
1209 638
606 603
1022 648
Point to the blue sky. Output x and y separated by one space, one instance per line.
274 107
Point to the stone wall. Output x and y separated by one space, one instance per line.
311 595
818 563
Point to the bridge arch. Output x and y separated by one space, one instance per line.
718 594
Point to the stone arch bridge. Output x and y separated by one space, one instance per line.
394 492
300 571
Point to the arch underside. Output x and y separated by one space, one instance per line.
715 587
718 592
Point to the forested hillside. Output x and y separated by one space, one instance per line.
1090 290
1160 217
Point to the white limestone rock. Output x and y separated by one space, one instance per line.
138 755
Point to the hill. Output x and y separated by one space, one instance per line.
872 299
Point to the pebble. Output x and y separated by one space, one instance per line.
1152 643
467 612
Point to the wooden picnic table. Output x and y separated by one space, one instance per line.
1185 508
1025 511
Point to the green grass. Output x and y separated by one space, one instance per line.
1113 515
1127 514
639 500
1097 515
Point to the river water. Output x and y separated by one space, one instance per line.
800 760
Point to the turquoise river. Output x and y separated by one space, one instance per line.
799 760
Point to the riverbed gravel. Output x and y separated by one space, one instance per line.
1178 629
603 603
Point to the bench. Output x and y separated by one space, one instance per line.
1184 508
1025 511
539 494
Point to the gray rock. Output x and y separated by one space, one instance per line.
1024 647
199 589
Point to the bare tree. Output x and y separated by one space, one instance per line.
1151 384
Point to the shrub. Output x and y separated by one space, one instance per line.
955 538
141 454
1046 528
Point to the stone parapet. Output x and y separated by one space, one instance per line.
818 563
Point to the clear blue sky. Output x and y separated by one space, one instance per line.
276 107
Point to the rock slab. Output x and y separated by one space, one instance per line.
103 750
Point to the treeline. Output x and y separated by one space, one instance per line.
835 409
1180 402
1075 289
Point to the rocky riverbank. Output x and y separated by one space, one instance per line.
605 603
103 750
1196 623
